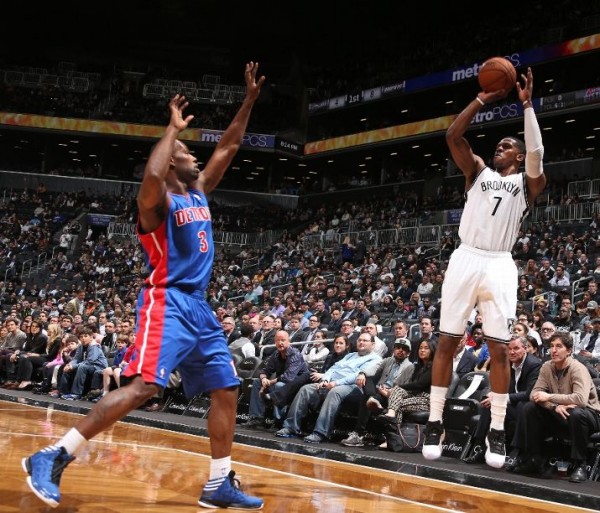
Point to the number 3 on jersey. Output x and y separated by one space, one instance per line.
203 243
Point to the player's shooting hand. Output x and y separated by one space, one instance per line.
492 96
525 93
177 105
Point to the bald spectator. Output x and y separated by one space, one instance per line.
282 367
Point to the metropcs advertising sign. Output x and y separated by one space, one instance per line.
257 141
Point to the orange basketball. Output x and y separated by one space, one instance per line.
497 73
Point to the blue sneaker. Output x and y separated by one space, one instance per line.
45 469
229 495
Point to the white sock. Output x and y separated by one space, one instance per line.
220 468
72 441
437 400
498 407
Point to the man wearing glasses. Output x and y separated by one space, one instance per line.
313 327
548 329
347 329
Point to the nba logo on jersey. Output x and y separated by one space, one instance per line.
162 372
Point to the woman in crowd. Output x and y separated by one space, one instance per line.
525 290
316 352
41 350
34 346
532 346
3 334
52 371
520 329
387 305
538 320
413 305
530 270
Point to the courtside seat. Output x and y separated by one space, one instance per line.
462 412
247 370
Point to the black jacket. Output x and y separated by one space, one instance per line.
529 375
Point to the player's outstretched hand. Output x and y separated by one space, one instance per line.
177 105
252 86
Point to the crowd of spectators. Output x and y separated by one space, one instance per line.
354 288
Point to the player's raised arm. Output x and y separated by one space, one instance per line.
230 143
460 149
152 196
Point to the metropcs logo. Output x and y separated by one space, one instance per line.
252 140
506 111
473 71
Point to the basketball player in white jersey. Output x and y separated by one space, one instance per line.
481 271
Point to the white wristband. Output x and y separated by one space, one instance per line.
480 101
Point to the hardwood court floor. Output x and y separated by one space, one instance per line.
133 469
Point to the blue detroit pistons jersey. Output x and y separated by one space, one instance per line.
494 210
179 253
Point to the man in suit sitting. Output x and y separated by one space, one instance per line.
296 333
265 337
464 360
313 327
335 324
322 313
524 371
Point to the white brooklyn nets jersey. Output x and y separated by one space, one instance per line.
494 209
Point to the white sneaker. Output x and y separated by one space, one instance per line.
432 444
495 456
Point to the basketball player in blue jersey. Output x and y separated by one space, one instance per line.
481 271
176 327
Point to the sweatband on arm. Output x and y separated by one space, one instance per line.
533 145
